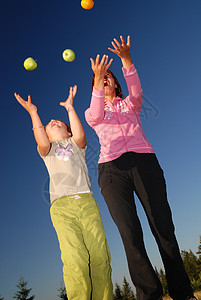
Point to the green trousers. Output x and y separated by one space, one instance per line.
84 250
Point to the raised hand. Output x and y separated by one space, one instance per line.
69 101
122 50
28 105
100 69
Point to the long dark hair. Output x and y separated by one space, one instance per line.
118 89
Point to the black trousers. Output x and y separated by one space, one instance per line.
142 174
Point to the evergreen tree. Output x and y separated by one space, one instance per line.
199 258
156 271
162 277
127 293
1 298
23 292
62 292
191 264
163 280
117 293
196 284
199 249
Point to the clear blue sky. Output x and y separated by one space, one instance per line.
166 50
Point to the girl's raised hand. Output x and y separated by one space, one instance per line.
71 96
100 68
28 105
121 49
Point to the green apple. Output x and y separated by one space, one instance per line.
68 55
30 64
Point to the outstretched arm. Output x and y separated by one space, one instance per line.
133 83
38 128
95 112
122 50
75 123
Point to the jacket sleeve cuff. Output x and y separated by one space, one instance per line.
129 71
98 93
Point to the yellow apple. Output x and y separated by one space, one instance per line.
30 64
68 55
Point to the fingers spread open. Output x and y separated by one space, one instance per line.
19 98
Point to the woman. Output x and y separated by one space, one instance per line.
128 164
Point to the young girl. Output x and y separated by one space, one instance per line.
128 164
74 212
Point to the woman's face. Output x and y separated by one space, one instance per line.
109 84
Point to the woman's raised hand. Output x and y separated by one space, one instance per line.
121 49
100 68
28 105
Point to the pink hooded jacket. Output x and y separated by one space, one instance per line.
118 124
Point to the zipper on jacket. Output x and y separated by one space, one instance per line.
123 135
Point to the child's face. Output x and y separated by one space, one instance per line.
56 129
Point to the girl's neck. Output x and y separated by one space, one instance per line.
59 137
110 98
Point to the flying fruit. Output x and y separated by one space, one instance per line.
68 55
30 64
87 4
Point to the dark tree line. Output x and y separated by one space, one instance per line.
23 292
192 264
124 293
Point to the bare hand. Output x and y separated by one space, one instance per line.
28 105
71 96
100 69
122 50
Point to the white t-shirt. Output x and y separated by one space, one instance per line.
67 169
